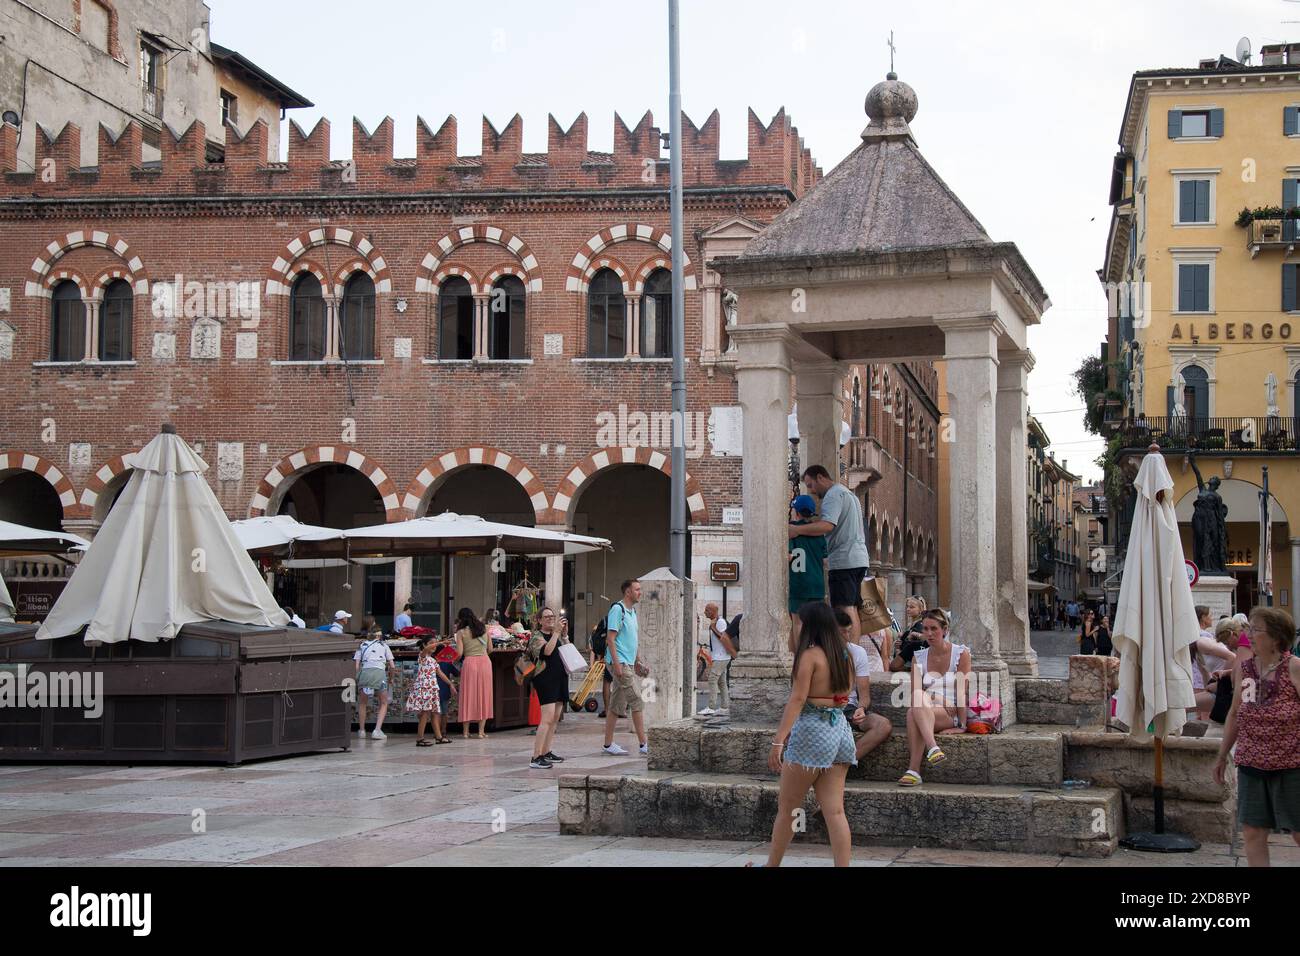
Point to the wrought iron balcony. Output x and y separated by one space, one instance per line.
864 458
1244 435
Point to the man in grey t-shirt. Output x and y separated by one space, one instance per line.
841 522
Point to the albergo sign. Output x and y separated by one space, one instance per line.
1229 331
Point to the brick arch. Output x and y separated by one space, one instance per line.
345 272
15 460
57 249
613 263
433 471
426 275
108 276
100 481
446 272
277 277
581 475
647 267
496 272
578 273
56 276
291 465
307 265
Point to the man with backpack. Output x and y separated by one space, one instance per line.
597 653
623 658
721 651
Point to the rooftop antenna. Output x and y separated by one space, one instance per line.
1243 51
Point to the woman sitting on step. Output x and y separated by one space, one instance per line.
940 673
814 745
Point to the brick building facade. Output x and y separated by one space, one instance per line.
378 338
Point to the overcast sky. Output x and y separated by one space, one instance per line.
1020 102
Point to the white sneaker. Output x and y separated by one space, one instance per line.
378 734
614 750
706 712
362 731
645 750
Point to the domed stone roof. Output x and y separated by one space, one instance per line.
891 105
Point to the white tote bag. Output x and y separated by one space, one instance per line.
572 659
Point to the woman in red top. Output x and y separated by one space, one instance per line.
1264 723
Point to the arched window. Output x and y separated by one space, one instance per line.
657 315
115 322
357 318
306 320
67 324
507 332
1196 396
455 319
606 315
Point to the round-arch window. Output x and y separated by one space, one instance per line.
357 318
657 315
606 315
455 319
307 320
115 322
507 331
67 323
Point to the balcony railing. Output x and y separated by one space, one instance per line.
153 101
1245 434
1271 234
864 459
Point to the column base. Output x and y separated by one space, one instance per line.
759 690
1022 665
993 679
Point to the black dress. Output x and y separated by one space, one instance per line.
1087 644
1104 645
552 684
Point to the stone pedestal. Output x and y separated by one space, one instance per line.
1215 591
665 619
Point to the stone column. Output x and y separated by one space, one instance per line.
91 352
971 344
403 569
819 394
633 328
896 592
1012 518
760 675
480 328
1295 575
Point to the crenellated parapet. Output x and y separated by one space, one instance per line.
776 157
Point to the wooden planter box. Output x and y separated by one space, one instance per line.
218 693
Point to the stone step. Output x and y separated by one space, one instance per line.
1018 756
1087 823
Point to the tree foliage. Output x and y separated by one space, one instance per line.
1090 385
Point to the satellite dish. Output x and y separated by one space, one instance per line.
1243 51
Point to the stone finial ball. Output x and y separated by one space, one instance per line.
891 98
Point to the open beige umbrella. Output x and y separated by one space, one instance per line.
1155 626
20 541
165 557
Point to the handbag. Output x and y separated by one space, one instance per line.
703 661
873 613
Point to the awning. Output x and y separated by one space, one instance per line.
19 541
447 533
1038 586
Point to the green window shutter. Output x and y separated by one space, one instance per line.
1202 191
1291 120
1186 201
1186 288
1290 199
1216 122
1201 288
1175 123
1289 273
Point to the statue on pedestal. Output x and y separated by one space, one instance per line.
1270 393
1209 525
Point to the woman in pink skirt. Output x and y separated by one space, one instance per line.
475 672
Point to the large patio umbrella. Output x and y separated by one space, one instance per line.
276 534
165 557
447 533
1155 626
20 541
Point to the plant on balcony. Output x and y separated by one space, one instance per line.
1247 215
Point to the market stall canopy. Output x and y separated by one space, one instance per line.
19 541
274 534
165 557
446 533
1155 621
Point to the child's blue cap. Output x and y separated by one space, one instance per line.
804 505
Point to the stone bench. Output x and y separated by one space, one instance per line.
701 806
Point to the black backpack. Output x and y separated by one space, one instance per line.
600 639
733 631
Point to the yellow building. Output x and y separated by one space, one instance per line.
1201 274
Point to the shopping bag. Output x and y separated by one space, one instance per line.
572 659
874 612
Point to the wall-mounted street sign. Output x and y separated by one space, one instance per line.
724 571
1193 572
733 515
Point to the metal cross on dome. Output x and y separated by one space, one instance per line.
891 51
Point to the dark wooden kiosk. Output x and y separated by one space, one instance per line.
217 693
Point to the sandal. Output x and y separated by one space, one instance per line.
442 740
910 779
481 736
421 742
934 755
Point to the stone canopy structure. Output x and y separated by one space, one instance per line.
882 262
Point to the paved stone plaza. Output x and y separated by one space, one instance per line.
387 803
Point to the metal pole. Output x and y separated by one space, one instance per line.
1266 540
677 540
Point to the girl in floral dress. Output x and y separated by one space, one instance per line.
423 697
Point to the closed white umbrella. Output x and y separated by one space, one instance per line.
1155 626
1155 621
165 557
